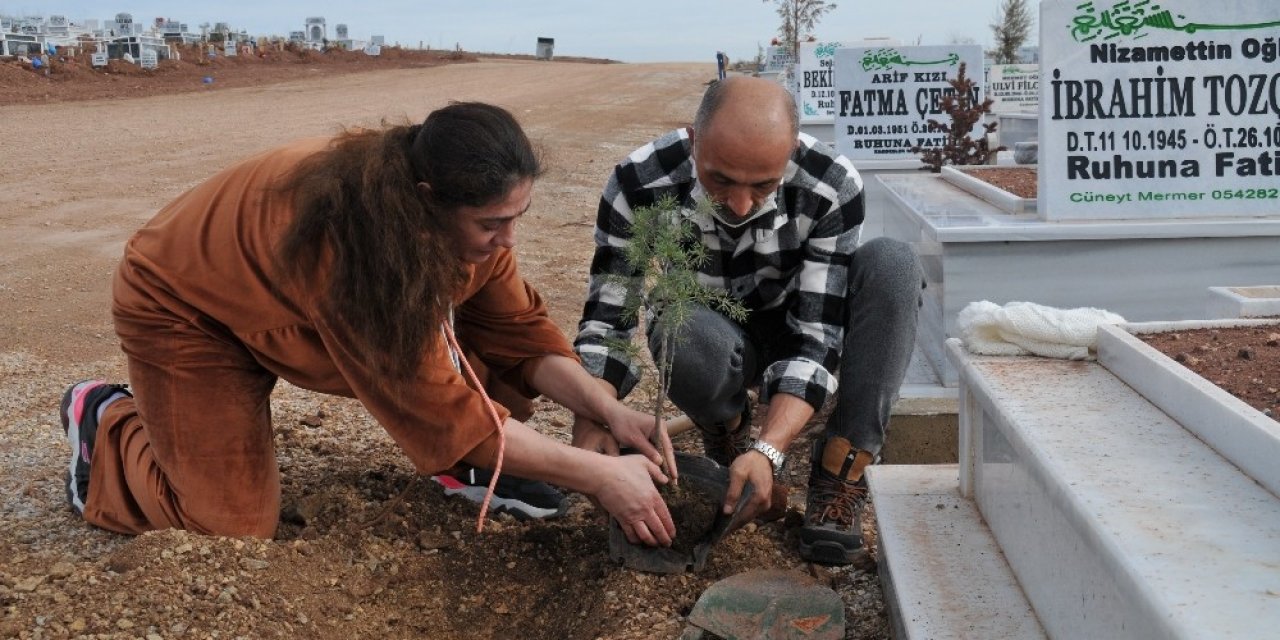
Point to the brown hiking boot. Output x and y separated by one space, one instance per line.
832 530
721 444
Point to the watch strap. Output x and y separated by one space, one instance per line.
776 458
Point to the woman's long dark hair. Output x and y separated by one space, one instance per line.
394 271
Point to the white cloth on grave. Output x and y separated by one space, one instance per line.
1027 328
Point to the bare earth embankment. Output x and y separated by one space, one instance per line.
350 561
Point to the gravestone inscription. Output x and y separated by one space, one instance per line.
815 92
885 97
1014 88
775 58
1160 111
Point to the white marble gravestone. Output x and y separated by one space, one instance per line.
1014 88
316 31
777 57
1168 110
886 96
815 85
1108 233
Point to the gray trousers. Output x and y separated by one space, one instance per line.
716 359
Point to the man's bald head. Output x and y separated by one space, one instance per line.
748 104
742 139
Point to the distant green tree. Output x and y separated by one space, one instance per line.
964 112
799 17
1011 29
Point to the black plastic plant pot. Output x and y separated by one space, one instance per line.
706 478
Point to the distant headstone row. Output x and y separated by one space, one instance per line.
122 38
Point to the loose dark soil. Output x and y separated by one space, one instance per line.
368 549
693 512
1243 361
1020 181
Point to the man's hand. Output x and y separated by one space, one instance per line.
601 423
593 436
787 416
755 468
627 492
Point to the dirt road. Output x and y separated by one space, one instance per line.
77 178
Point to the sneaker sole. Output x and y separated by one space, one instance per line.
827 552
519 509
72 413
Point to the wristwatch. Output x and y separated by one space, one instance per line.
776 458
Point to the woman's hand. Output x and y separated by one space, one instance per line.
627 492
634 429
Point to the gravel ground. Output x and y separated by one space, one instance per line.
365 548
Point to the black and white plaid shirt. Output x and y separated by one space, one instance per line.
794 257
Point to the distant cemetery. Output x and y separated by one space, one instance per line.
121 38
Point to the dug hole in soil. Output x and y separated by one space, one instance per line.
693 513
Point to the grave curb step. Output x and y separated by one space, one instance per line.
1117 521
942 571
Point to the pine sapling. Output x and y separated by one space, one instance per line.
664 255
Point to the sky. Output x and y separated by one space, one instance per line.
651 31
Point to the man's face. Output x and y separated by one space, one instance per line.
737 173
483 230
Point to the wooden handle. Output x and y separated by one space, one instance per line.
679 425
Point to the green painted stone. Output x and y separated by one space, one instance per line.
769 605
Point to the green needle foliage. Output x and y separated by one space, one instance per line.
665 256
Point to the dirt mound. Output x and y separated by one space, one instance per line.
1243 361
71 76
14 75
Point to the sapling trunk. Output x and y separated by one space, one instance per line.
660 399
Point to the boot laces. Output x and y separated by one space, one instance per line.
837 501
